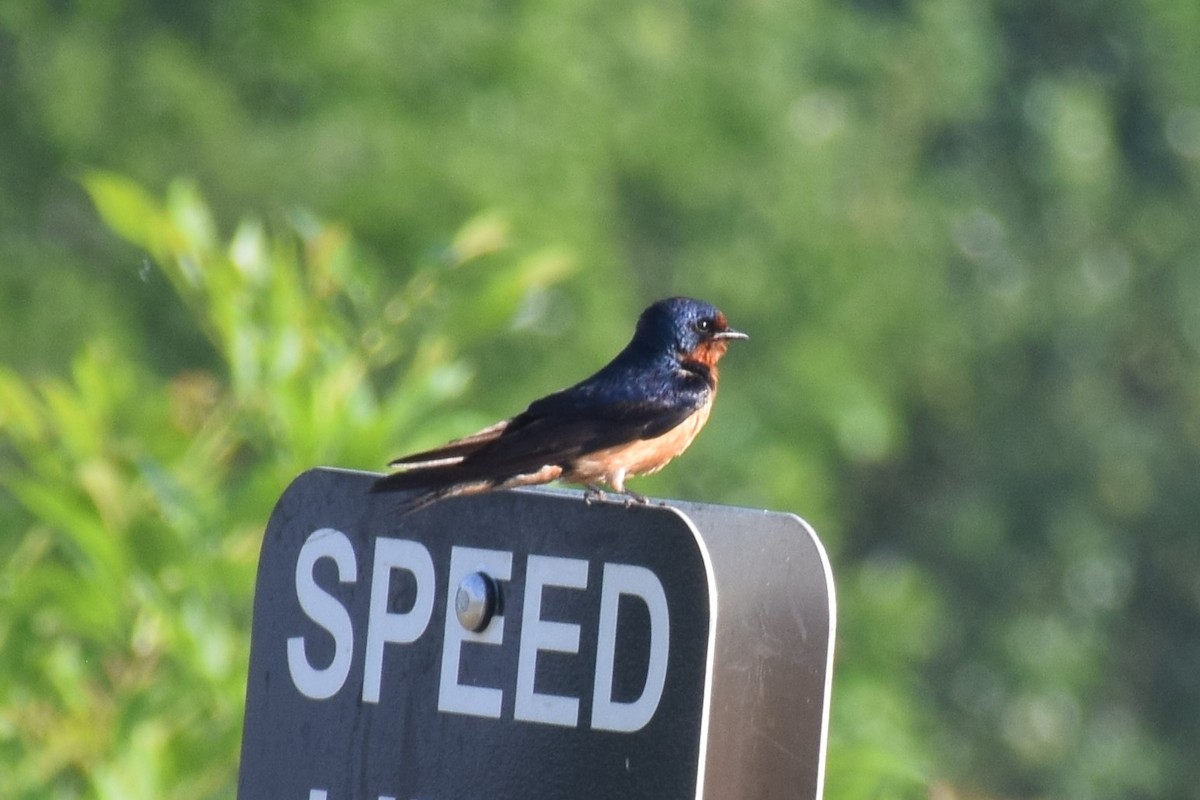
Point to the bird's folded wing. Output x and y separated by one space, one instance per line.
555 430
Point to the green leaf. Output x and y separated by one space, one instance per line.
130 211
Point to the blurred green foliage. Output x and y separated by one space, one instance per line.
962 235
127 595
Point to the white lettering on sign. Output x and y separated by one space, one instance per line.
323 609
384 626
454 697
538 634
608 714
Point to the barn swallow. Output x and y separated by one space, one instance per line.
632 417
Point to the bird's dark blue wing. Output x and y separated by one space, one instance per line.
602 412
613 407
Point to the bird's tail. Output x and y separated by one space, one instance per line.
408 480
428 491
422 500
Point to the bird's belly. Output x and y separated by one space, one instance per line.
640 457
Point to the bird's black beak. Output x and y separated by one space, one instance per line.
730 333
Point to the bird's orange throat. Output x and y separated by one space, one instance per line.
708 353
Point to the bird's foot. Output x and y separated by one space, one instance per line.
593 494
632 497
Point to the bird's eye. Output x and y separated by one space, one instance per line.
704 325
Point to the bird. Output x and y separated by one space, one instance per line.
632 417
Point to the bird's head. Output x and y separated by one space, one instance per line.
692 329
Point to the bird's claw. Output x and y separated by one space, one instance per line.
594 494
632 497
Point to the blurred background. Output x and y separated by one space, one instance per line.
242 238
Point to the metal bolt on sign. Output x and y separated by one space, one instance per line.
475 601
